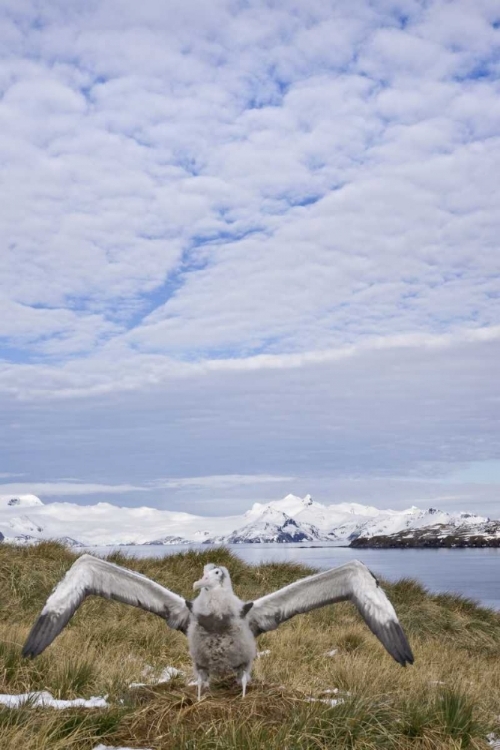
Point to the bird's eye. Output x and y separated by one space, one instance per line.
217 572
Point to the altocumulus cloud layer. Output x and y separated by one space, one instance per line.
251 248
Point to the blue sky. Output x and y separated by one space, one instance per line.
250 248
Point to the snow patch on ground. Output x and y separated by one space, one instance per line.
266 652
44 699
167 674
332 702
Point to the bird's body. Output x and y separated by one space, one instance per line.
220 640
221 628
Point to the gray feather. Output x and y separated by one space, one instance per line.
350 582
91 576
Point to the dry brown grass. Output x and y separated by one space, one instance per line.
449 699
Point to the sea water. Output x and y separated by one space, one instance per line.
474 573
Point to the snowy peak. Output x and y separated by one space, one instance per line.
291 505
19 501
272 525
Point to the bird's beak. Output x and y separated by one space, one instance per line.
199 584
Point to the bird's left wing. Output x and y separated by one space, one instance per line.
353 582
92 576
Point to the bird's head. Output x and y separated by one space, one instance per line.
214 576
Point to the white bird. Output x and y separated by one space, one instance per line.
221 628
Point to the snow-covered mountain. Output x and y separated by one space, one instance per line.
26 518
272 525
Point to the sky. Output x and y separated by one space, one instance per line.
250 248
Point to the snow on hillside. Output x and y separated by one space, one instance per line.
440 535
392 522
104 524
26 518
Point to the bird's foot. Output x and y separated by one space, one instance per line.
201 683
245 679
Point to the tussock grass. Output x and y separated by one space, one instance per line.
450 698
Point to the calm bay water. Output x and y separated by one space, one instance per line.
475 573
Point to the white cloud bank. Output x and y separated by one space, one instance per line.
248 239
74 487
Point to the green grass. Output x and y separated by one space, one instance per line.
449 699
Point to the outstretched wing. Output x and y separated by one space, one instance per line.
353 582
92 576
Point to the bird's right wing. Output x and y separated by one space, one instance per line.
350 582
92 576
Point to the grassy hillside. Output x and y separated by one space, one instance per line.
449 699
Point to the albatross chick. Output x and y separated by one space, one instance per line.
220 628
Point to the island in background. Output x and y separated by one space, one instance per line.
433 537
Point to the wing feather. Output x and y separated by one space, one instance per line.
92 576
350 582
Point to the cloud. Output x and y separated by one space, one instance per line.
55 489
222 480
116 370
338 427
207 203
74 487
